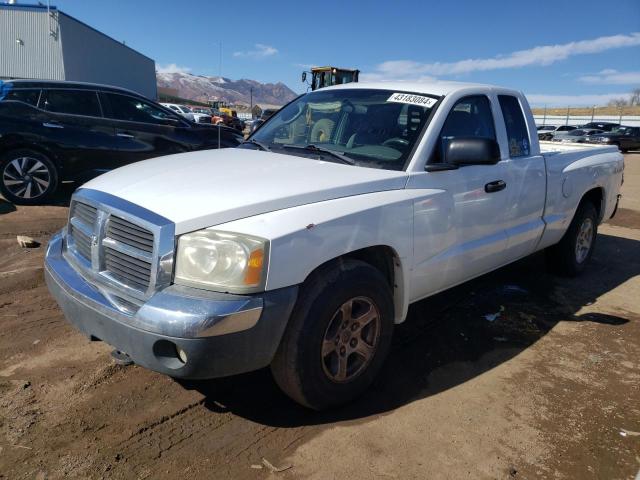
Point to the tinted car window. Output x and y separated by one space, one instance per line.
29 96
74 102
517 135
132 109
469 117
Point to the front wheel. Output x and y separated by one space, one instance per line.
27 177
572 254
338 337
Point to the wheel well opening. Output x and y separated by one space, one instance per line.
596 197
380 257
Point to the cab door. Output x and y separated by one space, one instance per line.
526 177
459 225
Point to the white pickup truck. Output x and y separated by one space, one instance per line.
302 248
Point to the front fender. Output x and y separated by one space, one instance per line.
305 237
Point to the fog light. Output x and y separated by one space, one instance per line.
182 355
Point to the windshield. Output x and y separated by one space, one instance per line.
373 128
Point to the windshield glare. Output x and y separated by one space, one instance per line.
374 128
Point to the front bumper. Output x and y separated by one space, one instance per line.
221 334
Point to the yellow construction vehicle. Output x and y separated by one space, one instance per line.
327 76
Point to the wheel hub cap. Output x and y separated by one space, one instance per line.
26 177
351 339
584 240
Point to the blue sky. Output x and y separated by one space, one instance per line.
593 54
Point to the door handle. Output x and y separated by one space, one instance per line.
124 135
52 125
495 186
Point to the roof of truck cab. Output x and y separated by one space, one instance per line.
432 88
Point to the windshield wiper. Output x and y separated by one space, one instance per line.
314 148
262 146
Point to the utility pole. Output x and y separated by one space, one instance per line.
593 111
566 121
251 101
544 119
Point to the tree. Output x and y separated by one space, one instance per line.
256 111
618 102
635 97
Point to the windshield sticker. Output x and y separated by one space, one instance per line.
411 99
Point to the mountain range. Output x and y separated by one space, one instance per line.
205 89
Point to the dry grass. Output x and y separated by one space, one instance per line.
635 110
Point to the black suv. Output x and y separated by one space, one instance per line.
55 131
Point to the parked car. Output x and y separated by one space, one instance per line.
56 131
579 135
305 246
549 132
201 115
180 110
606 126
625 138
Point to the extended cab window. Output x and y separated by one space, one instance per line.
72 102
470 117
517 135
132 109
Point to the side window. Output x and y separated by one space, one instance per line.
470 117
29 96
72 102
132 109
517 135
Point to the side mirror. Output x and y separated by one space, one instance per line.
472 151
304 77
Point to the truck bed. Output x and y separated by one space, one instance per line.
553 148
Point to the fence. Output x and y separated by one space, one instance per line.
569 119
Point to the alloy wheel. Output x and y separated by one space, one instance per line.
584 240
26 177
351 339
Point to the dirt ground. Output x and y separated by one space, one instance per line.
550 389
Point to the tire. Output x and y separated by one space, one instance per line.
307 367
567 257
27 177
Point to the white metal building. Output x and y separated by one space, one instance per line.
41 42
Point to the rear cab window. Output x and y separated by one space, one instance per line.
72 102
517 134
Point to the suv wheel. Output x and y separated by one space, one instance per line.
27 177
338 336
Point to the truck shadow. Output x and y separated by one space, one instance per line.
447 340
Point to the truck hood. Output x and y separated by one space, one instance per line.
201 189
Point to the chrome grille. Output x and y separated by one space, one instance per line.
85 213
81 242
122 249
130 234
127 269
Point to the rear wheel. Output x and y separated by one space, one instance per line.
27 177
338 336
572 254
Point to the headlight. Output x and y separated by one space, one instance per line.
604 139
222 261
